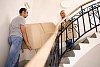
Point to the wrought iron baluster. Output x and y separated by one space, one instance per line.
53 58
58 51
98 14
83 18
66 38
58 47
94 17
78 28
61 38
72 32
89 20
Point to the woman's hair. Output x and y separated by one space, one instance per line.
62 12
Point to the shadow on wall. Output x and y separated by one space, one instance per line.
4 32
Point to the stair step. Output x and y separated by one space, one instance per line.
75 52
65 60
86 41
69 54
67 65
93 35
84 46
93 40
77 47
73 60
78 53
97 34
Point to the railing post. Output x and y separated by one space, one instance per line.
61 38
89 20
94 18
83 18
58 51
98 14
78 28
52 57
72 34
66 38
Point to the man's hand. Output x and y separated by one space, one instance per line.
29 46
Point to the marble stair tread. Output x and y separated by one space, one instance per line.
93 35
67 65
97 34
77 47
65 60
86 41
69 54
93 40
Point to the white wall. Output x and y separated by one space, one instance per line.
40 11
46 10
9 10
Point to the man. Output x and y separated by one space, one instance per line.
17 33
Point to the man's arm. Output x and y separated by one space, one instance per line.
24 34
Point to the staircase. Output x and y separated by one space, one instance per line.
70 58
82 47
87 22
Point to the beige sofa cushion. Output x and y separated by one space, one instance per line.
38 34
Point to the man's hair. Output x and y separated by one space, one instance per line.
22 9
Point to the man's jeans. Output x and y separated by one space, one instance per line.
14 53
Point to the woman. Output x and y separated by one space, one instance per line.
69 41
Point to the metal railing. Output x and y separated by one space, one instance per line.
86 19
